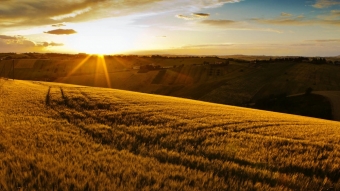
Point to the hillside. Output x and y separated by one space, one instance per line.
66 137
238 83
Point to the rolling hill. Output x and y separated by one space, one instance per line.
238 83
67 137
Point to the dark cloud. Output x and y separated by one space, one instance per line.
59 25
193 16
61 31
201 14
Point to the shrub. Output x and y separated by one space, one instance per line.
308 91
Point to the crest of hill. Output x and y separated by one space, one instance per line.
95 96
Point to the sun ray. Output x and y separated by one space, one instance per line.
119 61
78 66
97 73
101 60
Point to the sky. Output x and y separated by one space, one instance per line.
182 27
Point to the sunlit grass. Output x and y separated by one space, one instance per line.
64 137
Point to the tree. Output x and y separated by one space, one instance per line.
308 91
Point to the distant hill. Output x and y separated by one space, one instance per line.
66 137
240 82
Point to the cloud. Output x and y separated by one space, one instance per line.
204 15
19 48
72 14
236 25
329 19
56 44
193 16
325 41
213 3
7 37
13 39
58 25
21 44
46 12
283 14
46 44
184 17
61 31
17 44
220 22
325 3
200 46
335 13
283 21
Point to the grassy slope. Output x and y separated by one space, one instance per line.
71 137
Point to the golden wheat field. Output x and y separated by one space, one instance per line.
66 137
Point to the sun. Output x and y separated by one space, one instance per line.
101 56
99 45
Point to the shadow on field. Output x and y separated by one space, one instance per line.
311 105
47 99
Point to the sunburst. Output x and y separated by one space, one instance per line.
101 62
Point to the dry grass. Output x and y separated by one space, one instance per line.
63 137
